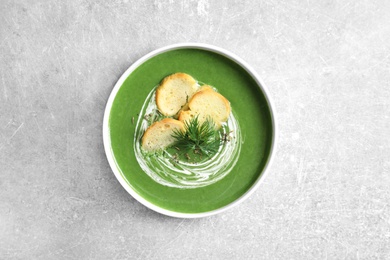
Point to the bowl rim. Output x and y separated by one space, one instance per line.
107 139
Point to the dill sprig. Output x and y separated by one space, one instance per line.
200 138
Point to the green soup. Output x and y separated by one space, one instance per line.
251 110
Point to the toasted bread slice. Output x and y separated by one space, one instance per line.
174 92
207 103
159 135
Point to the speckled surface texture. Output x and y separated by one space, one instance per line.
326 65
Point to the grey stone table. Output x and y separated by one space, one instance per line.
327 67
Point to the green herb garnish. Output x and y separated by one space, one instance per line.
198 138
154 117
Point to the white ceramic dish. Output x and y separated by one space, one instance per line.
121 176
